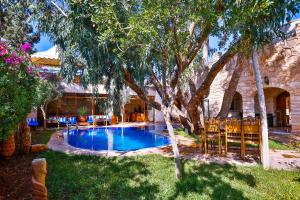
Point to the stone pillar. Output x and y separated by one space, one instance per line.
248 105
295 112
39 179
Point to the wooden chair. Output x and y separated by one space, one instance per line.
251 134
233 133
138 117
212 133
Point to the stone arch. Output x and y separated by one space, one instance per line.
278 106
236 108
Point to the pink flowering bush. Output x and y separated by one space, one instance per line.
18 84
22 86
26 47
13 58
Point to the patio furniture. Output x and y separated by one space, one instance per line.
138 117
212 134
90 119
233 133
32 122
251 134
113 120
100 119
62 121
72 120
144 118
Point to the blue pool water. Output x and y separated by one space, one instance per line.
116 138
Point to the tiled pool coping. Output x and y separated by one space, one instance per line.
57 143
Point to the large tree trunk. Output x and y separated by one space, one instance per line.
197 118
178 166
23 137
230 91
262 110
43 109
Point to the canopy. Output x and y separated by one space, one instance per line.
48 57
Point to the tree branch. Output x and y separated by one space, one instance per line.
139 91
215 69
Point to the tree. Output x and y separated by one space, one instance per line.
262 111
159 43
17 88
48 89
232 86
17 83
124 99
16 27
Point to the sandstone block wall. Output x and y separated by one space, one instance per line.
280 69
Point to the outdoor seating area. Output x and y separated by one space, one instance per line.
77 120
149 99
32 122
222 136
135 117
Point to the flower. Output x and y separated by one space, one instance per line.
26 47
30 70
3 50
13 59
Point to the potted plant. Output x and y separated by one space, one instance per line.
82 114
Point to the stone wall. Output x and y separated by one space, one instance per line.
280 68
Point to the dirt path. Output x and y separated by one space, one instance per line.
285 159
15 177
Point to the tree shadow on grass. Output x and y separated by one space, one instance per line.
90 177
213 181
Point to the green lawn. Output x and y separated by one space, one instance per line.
273 144
41 136
152 177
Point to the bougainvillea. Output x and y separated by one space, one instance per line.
18 83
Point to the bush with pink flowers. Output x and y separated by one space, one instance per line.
18 84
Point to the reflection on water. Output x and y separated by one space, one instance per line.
116 138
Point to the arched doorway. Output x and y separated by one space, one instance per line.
278 107
236 108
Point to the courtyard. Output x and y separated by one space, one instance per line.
148 176
148 99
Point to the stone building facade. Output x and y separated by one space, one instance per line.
280 71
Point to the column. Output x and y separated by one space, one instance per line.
295 112
248 105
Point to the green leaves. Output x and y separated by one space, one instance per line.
146 37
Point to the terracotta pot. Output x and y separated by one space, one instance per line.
82 118
8 147
26 140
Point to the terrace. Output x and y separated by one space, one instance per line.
149 100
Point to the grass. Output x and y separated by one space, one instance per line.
41 136
180 131
152 177
273 144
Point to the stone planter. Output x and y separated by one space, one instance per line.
38 179
26 140
8 147
38 148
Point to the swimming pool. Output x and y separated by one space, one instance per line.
116 138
